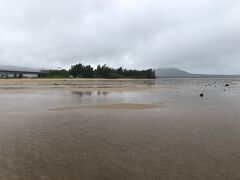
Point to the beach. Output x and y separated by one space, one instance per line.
93 129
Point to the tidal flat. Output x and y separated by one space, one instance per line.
93 129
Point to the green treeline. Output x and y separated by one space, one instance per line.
82 71
63 73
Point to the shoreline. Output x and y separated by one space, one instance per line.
70 79
79 84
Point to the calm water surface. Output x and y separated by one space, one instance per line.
61 132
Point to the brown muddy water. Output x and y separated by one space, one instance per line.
119 129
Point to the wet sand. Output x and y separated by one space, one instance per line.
127 106
119 129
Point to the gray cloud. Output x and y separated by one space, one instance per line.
200 36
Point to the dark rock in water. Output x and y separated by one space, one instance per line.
227 85
201 95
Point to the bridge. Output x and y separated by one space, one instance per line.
14 71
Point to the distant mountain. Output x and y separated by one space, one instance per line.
171 72
178 73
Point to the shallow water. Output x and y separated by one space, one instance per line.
157 129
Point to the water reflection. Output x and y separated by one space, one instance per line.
81 94
99 93
150 82
89 93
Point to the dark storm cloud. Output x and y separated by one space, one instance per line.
202 36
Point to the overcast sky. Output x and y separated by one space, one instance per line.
200 36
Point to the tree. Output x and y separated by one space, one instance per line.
80 70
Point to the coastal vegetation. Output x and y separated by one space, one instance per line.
102 71
63 73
